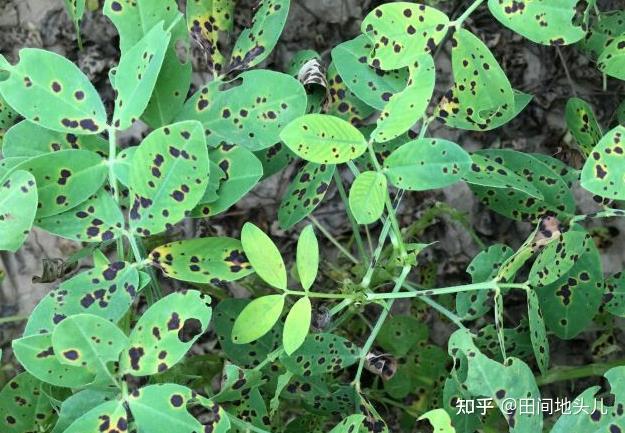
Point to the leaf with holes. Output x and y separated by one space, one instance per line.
296 325
264 256
439 419
168 176
98 219
108 416
307 188
583 125
323 139
367 197
372 86
136 75
257 318
89 342
58 96
133 20
24 407
18 205
538 332
307 257
27 139
165 332
603 171
321 354
202 260
255 43
401 32
547 22
106 291
425 164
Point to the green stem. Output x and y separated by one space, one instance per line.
366 280
319 294
489 285
350 216
438 307
11 319
332 239
113 181
462 18
559 374
155 293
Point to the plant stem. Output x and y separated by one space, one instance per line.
11 319
438 307
332 239
155 293
113 181
350 216
559 374
462 18
366 280
319 294
489 285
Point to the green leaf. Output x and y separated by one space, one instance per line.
612 60
264 256
65 179
106 291
307 188
8 117
133 20
603 171
98 219
18 205
440 420
37 356
320 354
568 174
583 124
538 332
606 27
400 334
547 22
202 260
427 164
136 75
367 197
570 303
614 297
165 332
274 159
405 108
374 87
168 176
482 97
110 415
257 318
402 32
241 172
307 257
206 20
89 342
77 405
75 10
58 96
350 424
296 325
323 139
342 101
23 405
29 139
123 163
256 43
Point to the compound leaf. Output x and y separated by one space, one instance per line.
264 256
307 257
18 205
367 197
296 325
257 318
603 171
51 91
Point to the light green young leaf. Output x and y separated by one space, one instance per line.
133 20
165 332
18 205
350 424
583 124
122 165
8 117
307 188
603 173
136 76
168 176
323 139
89 342
405 108
367 197
256 43
23 405
257 318
402 32
440 420
547 22
296 325
370 85
58 96
111 413
202 260
612 60
29 139
264 256
307 259
538 332
320 354
426 164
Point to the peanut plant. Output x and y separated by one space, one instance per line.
109 350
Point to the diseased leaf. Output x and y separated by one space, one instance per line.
202 260
307 67
547 22
605 27
8 117
320 354
51 91
440 421
255 43
274 159
77 405
367 197
110 414
400 334
614 297
18 205
350 424
257 318
583 125
264 256
296 325
343 103
402 32
165 332
426 164
168 176
612 59
307 257
23 405
603 171
538 332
